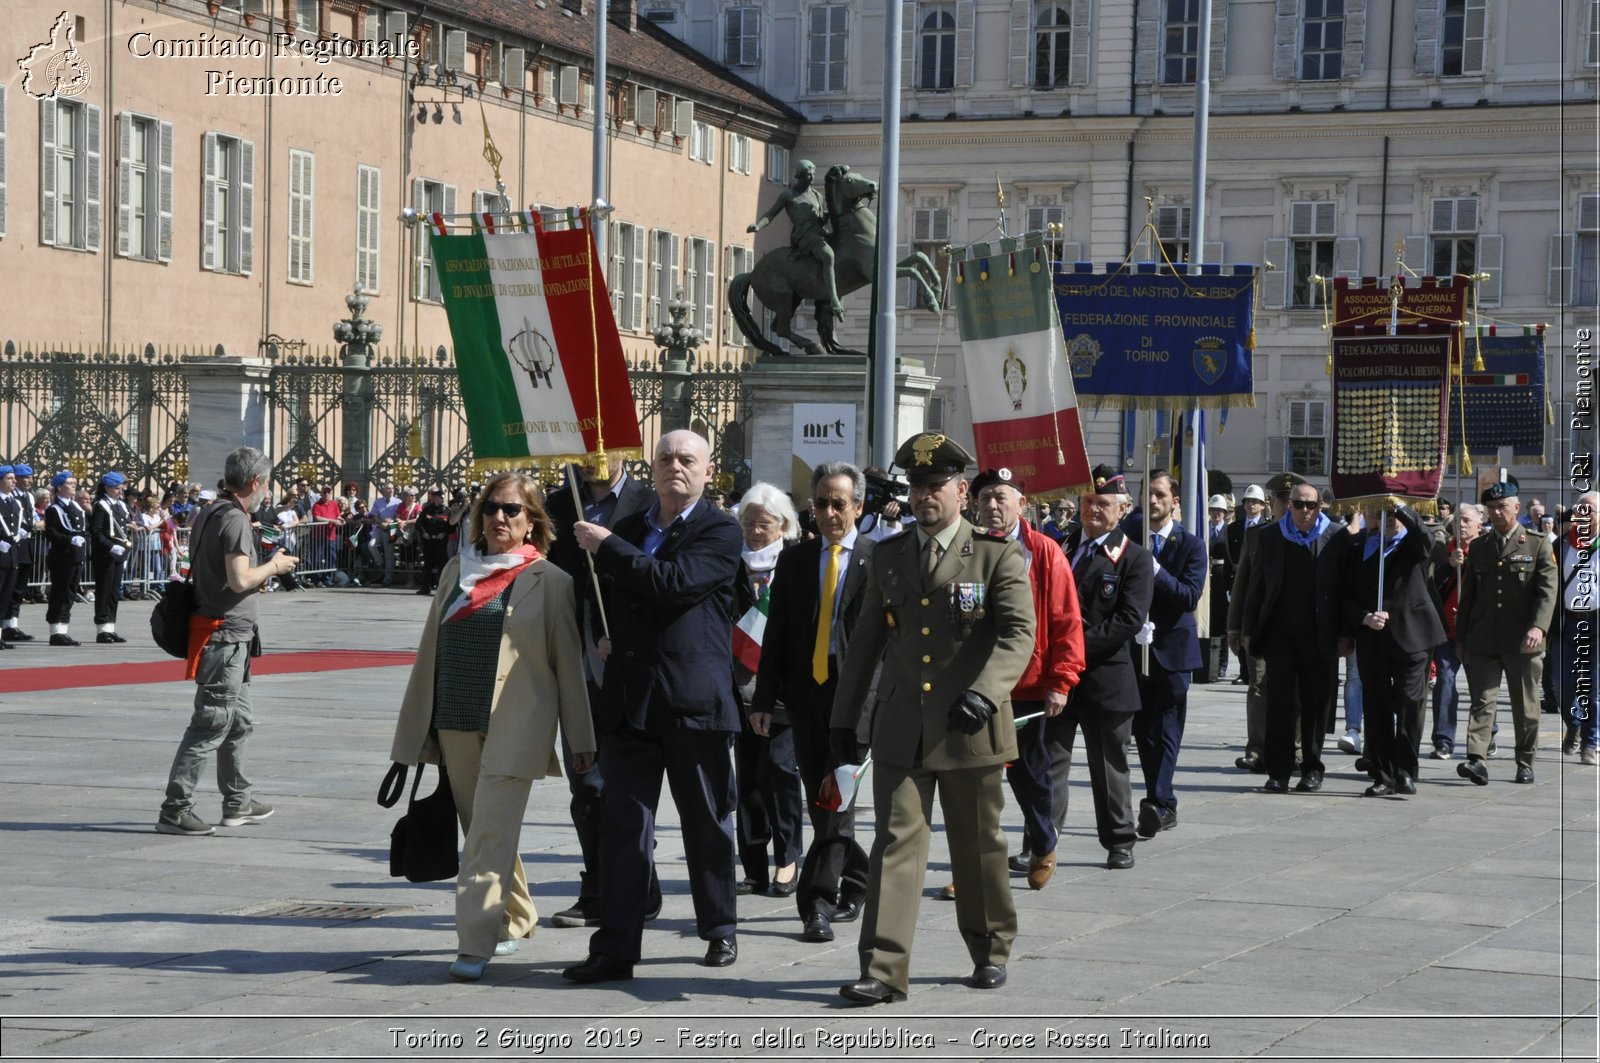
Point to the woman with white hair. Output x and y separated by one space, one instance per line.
769 792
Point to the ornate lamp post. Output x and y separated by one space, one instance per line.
677 340
356 335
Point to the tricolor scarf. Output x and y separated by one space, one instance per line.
483 577
1306 539
1575 542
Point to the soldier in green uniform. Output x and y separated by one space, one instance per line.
948 610
1508 596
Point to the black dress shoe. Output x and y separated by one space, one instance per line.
1378 789
721 952
1020 863
1473 768
598 968
586 912
846 913
988 976
1119 859
1275 786
817 928
1311 781
105 638
747 886
64 640
1169 819
1250 763
1149 820
1404 783
15 634
870 991
1524 774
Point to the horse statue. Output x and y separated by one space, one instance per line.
785 277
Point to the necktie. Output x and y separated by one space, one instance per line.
1156 542
1083 554
931 562
830 584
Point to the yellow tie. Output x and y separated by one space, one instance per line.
830 584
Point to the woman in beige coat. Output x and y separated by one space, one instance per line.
499 665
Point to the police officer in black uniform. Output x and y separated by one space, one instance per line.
108 526
10 523
433 533
66 529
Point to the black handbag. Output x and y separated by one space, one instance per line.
423 845
169 620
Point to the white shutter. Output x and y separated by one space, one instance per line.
1277 453
124 182
615 281
394 30
644 109
1082 19
966 20
513 68
1021 51
1286 41
455 50
1416 256
586 92
419 238
1347 257
1317 418
210 256
91 177
1491 255
656 266
708 310
1558 278
2 160
636 280
730 332
1297 418
164 192
567 86
247 206
682 117
371 25
691 279
47 171
675 276
1275 281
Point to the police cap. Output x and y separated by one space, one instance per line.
932 454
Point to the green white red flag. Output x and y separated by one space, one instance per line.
542 371
749 632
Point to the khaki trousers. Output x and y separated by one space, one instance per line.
1522 673
492 901
971 800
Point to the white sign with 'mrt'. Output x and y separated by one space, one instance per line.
823 431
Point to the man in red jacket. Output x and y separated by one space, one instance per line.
1053 670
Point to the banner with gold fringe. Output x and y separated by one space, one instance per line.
1389 403
541 364
1150 336
1501 398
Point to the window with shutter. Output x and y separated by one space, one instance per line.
455 50
738 153
302 175
636 279
1180 52
778 163
144 187
428 197
164 149
1463 29
644 108
227 204
1453 236
514 68
936 47
827 39
1305 448
567 86
930 234
369 206
1313 225
1585 253
682 117
1172 229
1322 41
1052 45
69 174
244 250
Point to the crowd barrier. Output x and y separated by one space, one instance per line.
331 553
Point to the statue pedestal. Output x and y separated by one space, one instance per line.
227 410
790 432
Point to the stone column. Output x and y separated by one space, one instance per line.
227 410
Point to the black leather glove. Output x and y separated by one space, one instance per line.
971 713
844 746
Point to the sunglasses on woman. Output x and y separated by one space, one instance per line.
512 510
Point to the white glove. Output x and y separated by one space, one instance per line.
5 547
117 551
1147 634
77 540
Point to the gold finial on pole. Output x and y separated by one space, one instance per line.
491 154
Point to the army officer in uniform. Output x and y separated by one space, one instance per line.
1508 596
948 610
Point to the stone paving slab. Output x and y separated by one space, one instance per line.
1457 924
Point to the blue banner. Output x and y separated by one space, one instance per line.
1138 338
1504 400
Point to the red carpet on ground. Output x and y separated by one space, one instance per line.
65 670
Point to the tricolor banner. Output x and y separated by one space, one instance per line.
750 631
542 372
1024 407
1389 395
1503 389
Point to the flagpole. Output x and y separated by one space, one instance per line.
1144 525
598 199
883 366
577 513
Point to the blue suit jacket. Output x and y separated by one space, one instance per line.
1179 583
671 617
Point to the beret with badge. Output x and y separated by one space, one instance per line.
1505 487
990 477
932 454
1107 481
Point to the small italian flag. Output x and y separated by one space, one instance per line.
749 632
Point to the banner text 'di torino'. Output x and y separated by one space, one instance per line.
532 326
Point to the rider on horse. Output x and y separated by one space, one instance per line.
808 220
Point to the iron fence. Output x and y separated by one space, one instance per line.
397 418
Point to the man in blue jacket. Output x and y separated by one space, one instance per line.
667 705
1180 577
